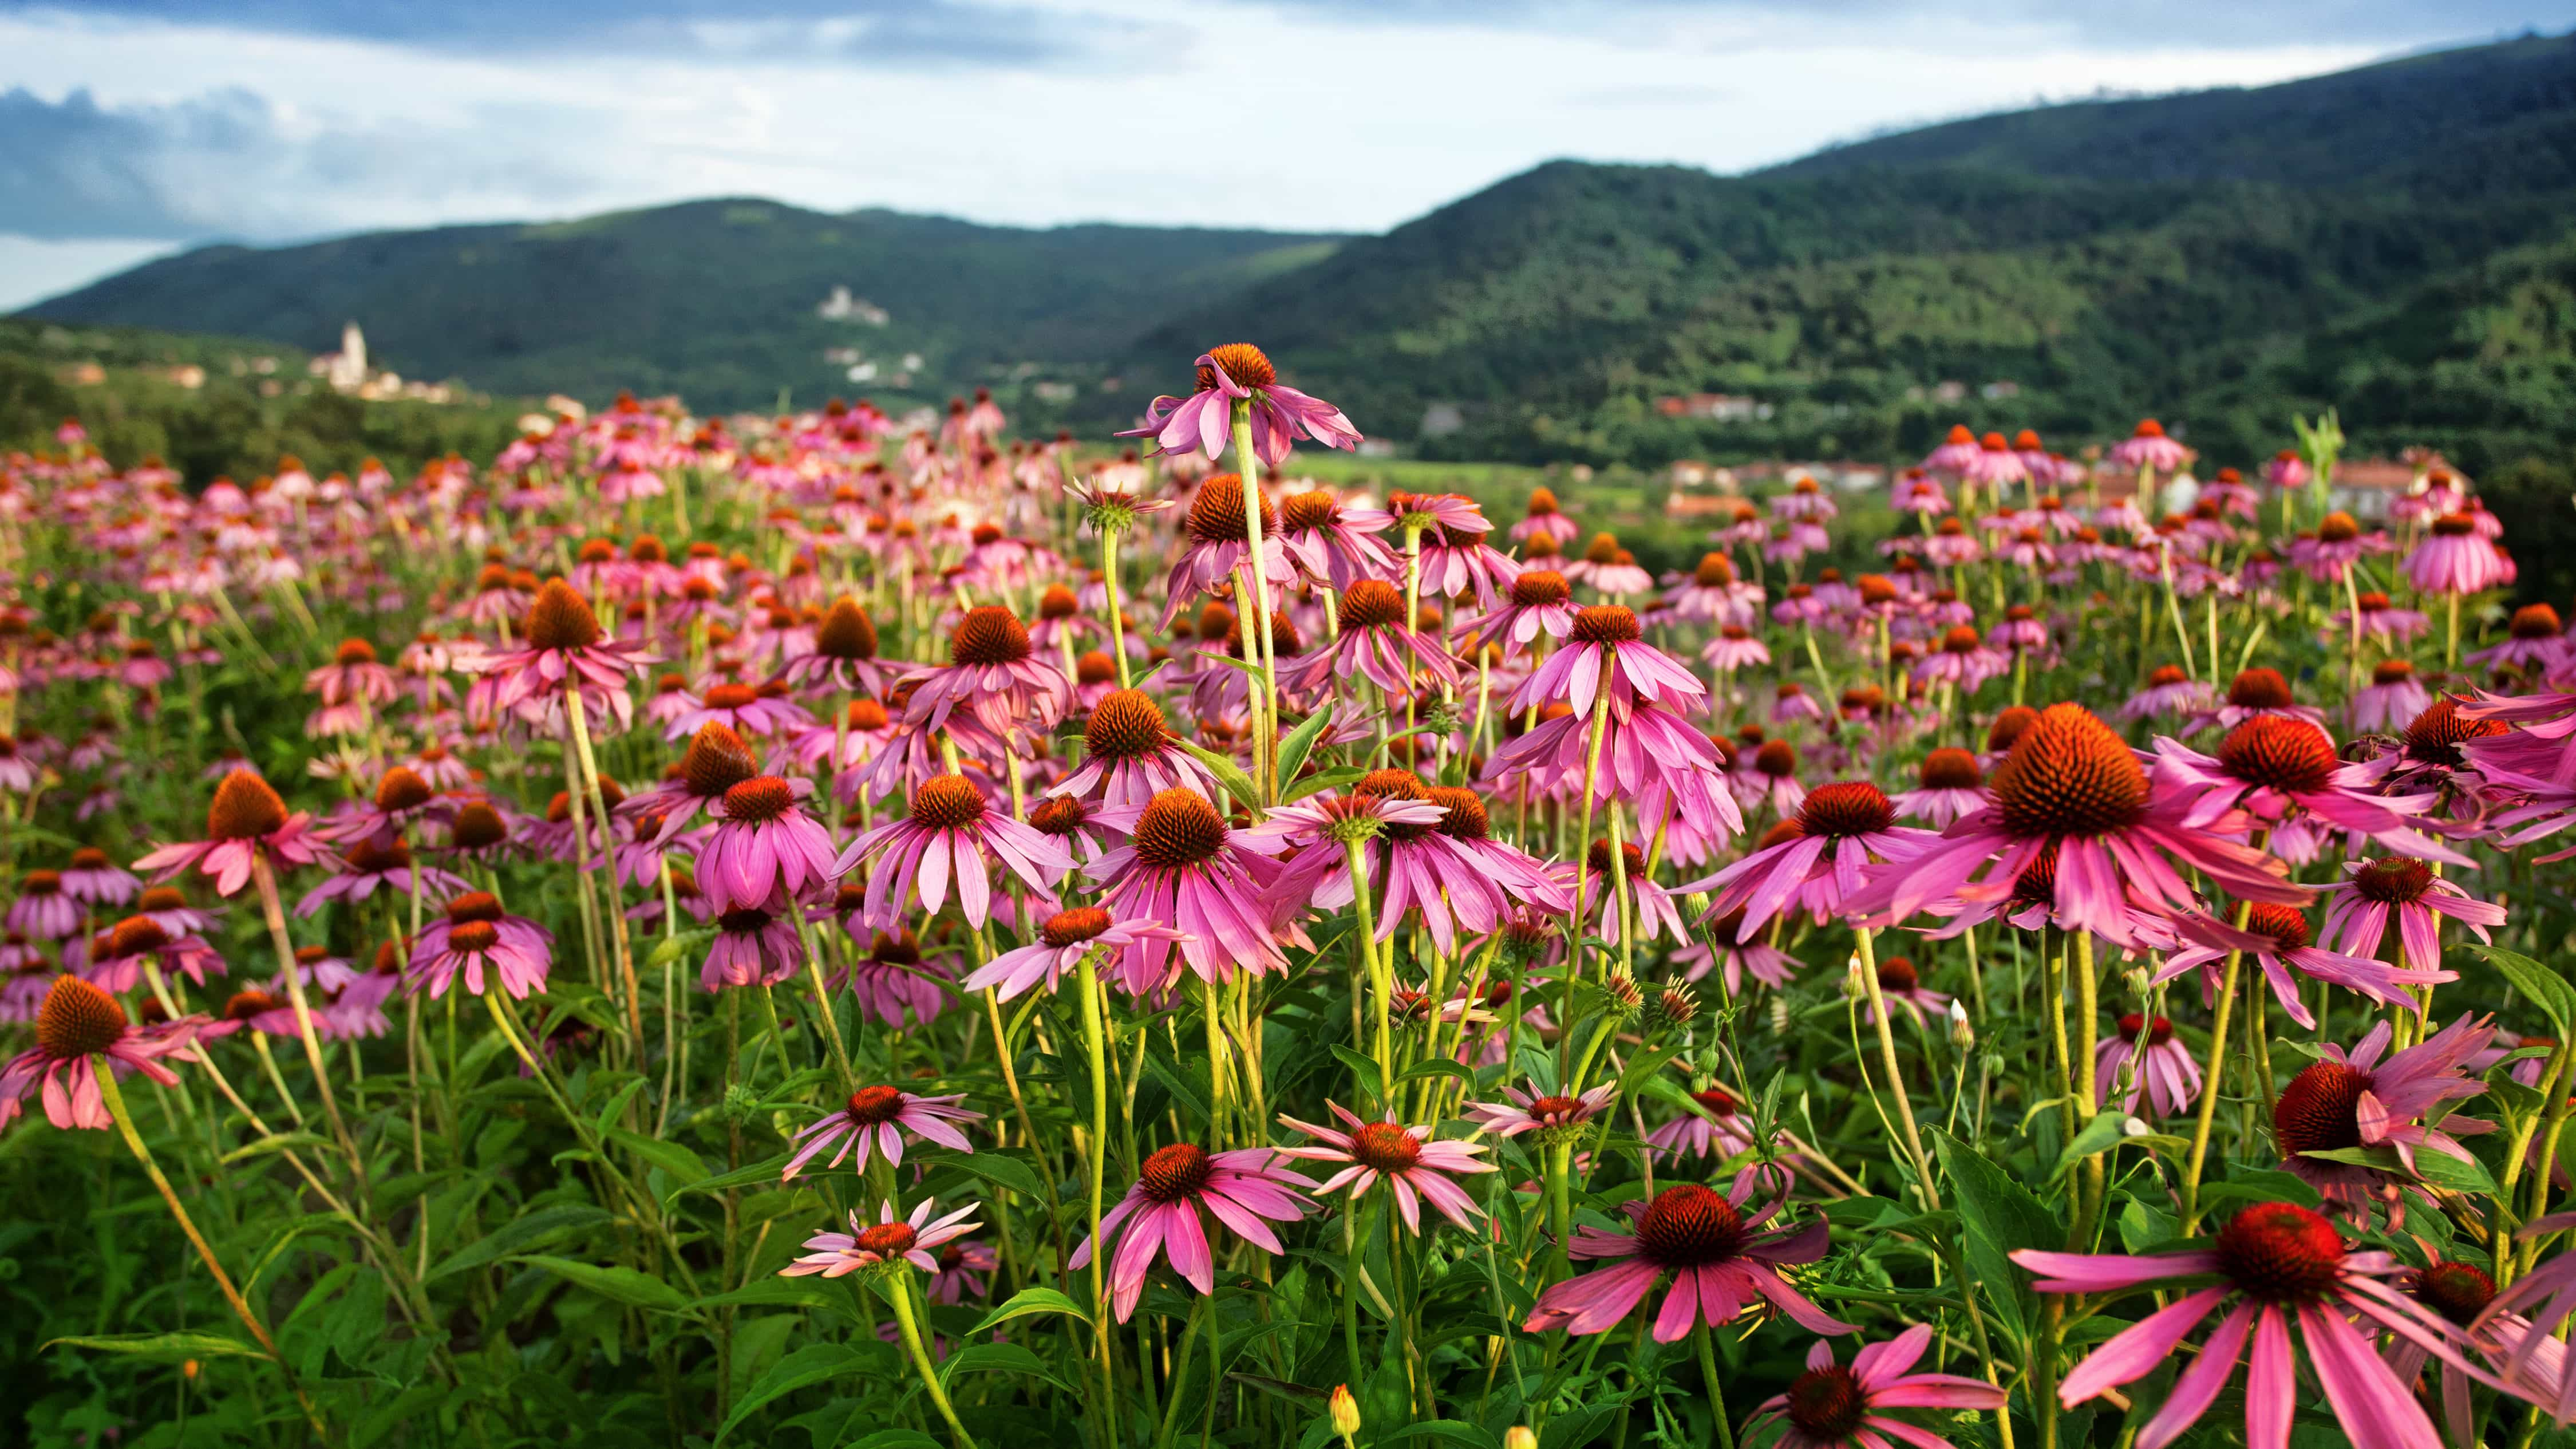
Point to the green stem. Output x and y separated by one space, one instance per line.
900 1294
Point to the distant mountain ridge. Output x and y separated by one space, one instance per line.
2397 232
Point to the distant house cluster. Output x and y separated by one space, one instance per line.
1721 407
346 372
1951 390
842 307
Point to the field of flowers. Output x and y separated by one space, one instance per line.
788 930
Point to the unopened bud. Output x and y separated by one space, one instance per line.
1346 1411
1518 1436
1962 1035
188 1369
1674 1008
1626 997
1853 984
2137 980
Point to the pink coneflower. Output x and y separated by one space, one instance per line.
474 935
894 975
1330 547
43 909
1217 546
1956 452
2276 1263
2168 691
945 838
1552 1117
874 1122
1813 861
94 879
561 640
2452 559
1204 420
245 820
1719 949
1606 653
1063 940
1649 755
752 947
2392 699
353 676
1733 647
117 957
2143 1055
1720 1134
1903 987
2253 694
2073 786
2465 1297
747 709
1416 1169
992 672
764 847
370 866
76 1023
2284 773
890 1242
1376 644
2358 909
2276 939
1833 1407
1184 869
267 1010
2149 447
402 799
844 655
1539 603
1247 1190
1413 864
1951 785
1544 517
2359 1100
1451 555
2535 643
2548 1292
1719 1259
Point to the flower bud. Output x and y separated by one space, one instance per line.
1962 1035
1626 997
1346 1411
1673 1008
1518 1436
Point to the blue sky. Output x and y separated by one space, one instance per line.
132 127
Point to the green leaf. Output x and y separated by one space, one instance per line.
1434 1067
1227 772
618 1284
280 1142
998 1168
671 1157
164 1345
1447 1430
1998 1216
519 1233
1644 1068
2545 988
2260 1185
1365 1066
813 1364
2434 1169
2104 1132
1008 1358
773 1292
1026 1302
763 1173
1301 742
1317 783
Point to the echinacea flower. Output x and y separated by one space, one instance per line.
1834 1407
1720 1260
2452 559
1063 940
764 847
1412 865
117 957
77 1024
1416 1168
476 935
2275 1264
844 655
245 820
992 672
1246 1190
2143 1056
94 879
2283 772
874 1122
1721 1133
2073 786
561 642
1605 653
1376 644
43 910
2368 1098
1950 785
1330 547
943 839
1550 1115
1813 862
2359 908
1235 372
1129 754
753 946
1219 544
889 1243
2275 939
1183 868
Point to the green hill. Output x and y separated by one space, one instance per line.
2392 239
714 299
